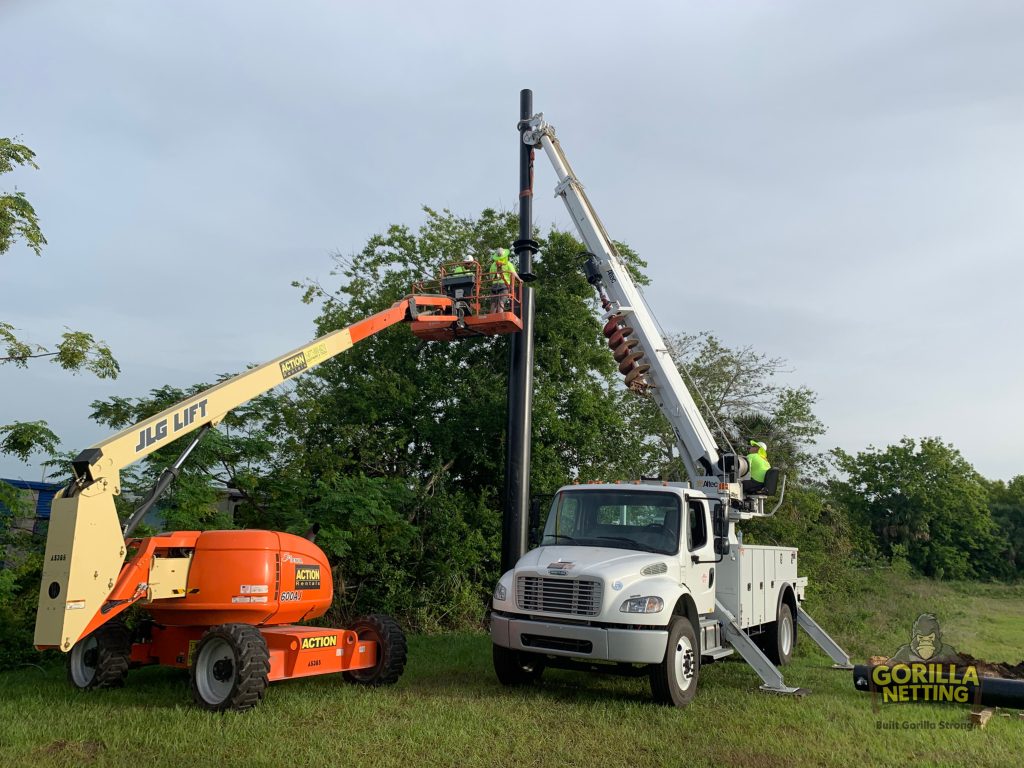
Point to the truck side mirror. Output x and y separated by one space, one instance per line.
721 529
534 533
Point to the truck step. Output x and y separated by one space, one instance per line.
718 653
711 639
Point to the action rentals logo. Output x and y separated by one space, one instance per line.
925 669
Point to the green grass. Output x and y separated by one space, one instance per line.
449 710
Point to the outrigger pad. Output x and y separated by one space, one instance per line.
785 691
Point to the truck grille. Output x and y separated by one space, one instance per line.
575 596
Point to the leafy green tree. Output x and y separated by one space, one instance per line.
76 351
922 498
18 219
740 398
19 586
24 438
1006 503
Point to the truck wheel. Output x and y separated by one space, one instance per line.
230 668
674 680
780 639
516 667
392 650
101 659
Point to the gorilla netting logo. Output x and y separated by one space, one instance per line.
926 644
925 669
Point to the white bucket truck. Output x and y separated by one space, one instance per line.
649 577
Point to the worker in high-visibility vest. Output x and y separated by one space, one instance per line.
759 466
500 274
463 267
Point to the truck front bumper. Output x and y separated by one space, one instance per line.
636 646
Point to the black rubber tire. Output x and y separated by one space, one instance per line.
682 658
516 667
247 667
392 650
780 638
101 659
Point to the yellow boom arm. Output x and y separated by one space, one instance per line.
85 547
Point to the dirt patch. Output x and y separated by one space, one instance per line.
86 751
994 668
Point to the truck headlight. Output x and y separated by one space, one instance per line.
500 593
649 604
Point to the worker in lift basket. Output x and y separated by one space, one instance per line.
464 267
759 466
500 274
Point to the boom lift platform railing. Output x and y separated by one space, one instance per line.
482 304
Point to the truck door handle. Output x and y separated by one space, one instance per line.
694 559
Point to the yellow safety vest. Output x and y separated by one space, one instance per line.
759 466
501 271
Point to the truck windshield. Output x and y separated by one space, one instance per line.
643 520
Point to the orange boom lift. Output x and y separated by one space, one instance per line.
225 604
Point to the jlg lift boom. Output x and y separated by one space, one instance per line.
222 603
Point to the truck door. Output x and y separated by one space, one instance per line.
699 555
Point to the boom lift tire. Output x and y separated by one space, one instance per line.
674 680
516 667
392 650
101 659
780 637
230 668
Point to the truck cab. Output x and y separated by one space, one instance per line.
628 578
616 563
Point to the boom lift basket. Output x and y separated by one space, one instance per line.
481 306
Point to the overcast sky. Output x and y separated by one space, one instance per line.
835 183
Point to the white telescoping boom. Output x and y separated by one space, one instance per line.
657 375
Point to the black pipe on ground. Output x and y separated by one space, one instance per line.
989 692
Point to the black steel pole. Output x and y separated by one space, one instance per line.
516 512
